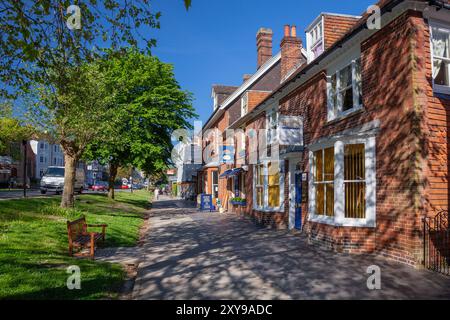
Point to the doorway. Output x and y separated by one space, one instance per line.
298 201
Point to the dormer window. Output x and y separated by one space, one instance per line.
244 104
215 101
314 39
316 34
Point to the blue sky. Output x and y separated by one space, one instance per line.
215 41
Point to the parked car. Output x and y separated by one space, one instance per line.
124 186
53 180
137 186
100 186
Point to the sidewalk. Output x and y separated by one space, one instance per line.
207 255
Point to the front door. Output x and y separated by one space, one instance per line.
298 201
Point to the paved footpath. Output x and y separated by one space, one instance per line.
202 255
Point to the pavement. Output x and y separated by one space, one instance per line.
189 254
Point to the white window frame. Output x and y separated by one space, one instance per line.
444 28
335 111
314 42
272 125
214 185
244 104
216 102
256 184
339 218
265 206
324 182
242 191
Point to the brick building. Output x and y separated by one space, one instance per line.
230 104
355 146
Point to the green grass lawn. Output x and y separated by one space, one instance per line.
33 245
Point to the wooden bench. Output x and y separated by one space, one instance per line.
79 237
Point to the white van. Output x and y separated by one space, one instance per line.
53 180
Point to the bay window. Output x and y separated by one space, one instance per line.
354 181
323 181
342 185
344 90
274 184
259 185
440 44
268 186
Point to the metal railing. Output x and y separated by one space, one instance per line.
436 244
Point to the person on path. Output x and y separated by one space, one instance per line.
156 193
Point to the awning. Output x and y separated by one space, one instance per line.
231 173
226 174
237 171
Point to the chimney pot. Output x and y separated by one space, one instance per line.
293 31
286 30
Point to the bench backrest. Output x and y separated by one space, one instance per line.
76 227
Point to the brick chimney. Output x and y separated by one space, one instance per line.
291 51
264 45
246 76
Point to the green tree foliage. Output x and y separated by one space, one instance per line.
12 131
38 51
147 105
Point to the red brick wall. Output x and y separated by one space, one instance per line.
335 27
255 97
387 68
435 110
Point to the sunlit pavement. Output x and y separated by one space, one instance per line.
202 255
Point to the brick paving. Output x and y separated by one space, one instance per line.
201 255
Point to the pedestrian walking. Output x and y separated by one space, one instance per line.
156 193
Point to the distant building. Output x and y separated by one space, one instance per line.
46 155
95 172
187 170
11 168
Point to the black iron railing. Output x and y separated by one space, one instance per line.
436 244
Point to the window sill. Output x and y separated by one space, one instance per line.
345 222
346 115
441 92
269 210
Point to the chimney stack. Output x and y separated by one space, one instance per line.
264 45
291 51
246 76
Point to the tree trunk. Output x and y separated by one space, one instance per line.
67 199
112 177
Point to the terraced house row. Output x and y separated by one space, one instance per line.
345 136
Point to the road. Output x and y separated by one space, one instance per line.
33 193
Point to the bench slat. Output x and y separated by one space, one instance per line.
79 237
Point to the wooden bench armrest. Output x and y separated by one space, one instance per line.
97 225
